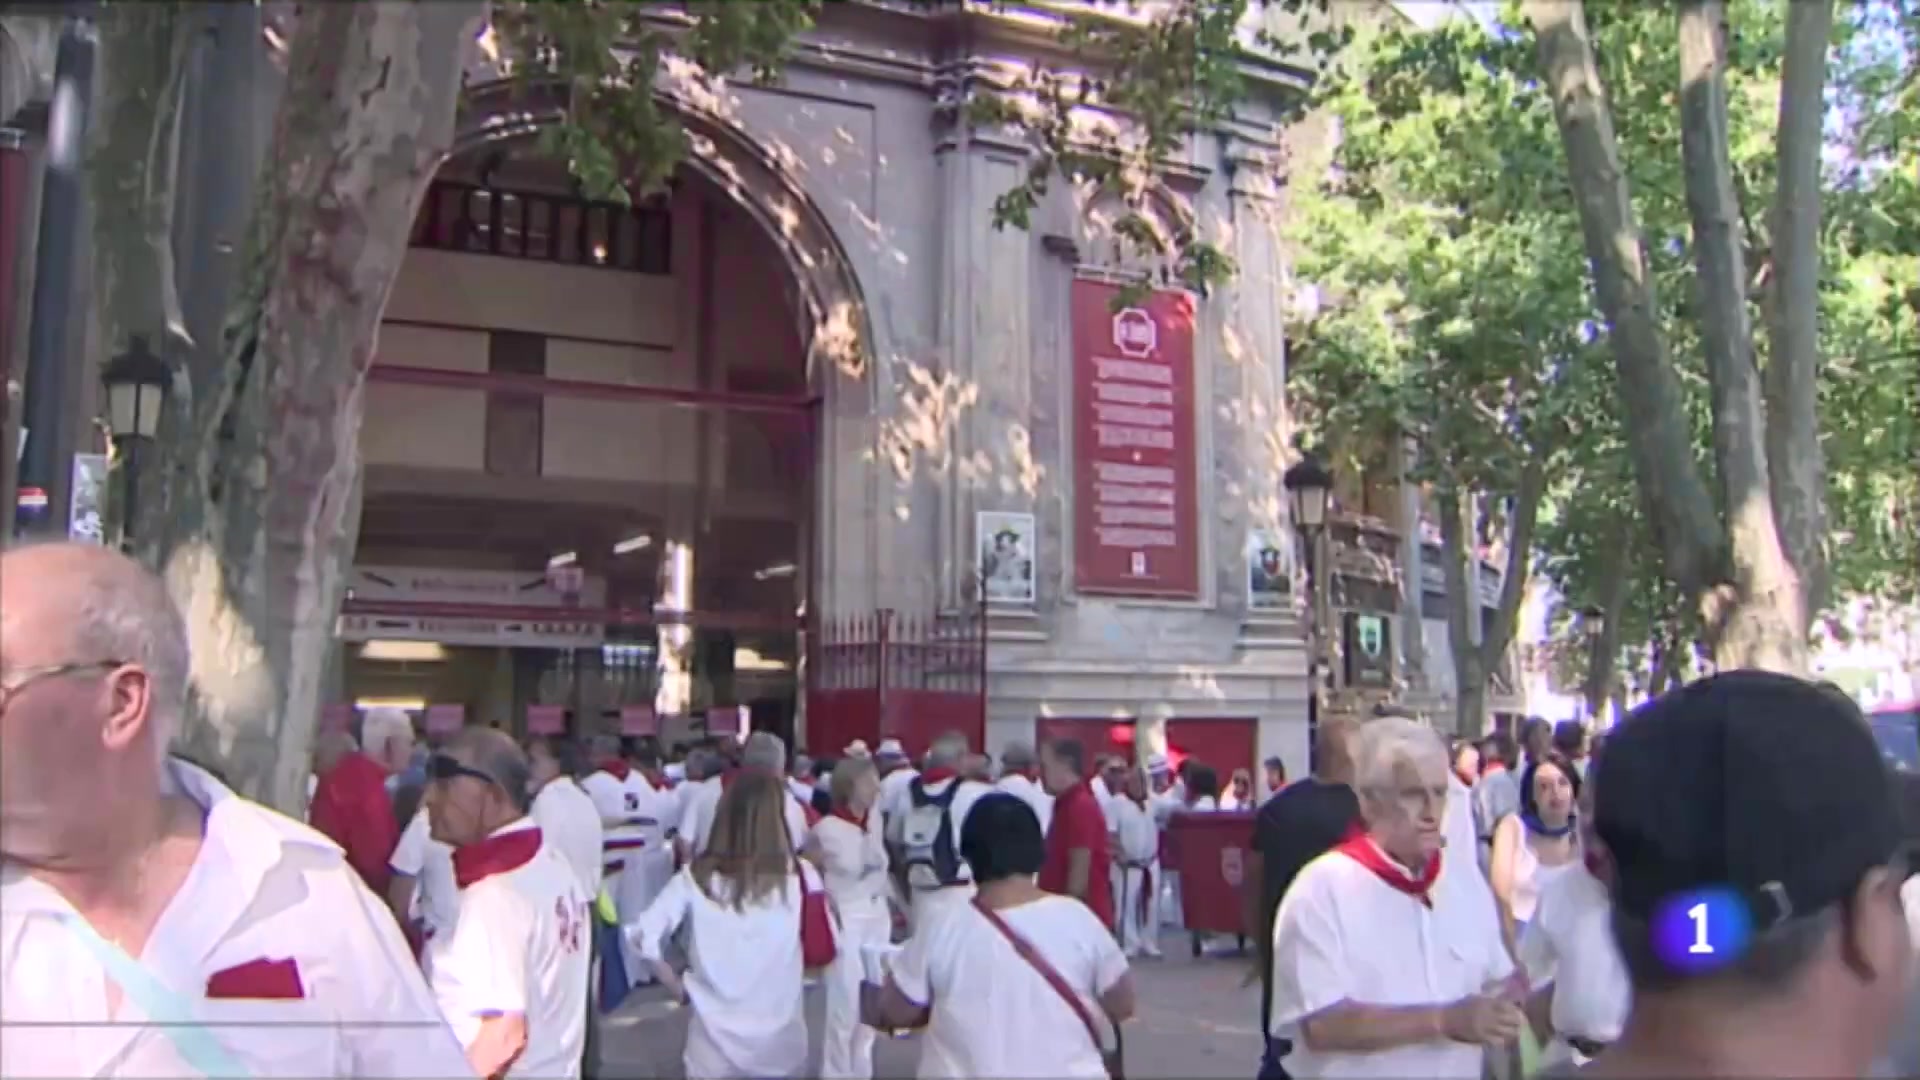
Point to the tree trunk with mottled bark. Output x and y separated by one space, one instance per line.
262 465
1735 572
1475 660
1756 618
1793 365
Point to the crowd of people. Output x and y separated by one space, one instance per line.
465 908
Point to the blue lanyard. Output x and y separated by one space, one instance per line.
171 1012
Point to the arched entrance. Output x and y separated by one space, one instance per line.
598 442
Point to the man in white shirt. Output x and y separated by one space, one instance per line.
152 922
896 772
631 839
1020 776
422 894
764 751
512 977
1385 966
923 833
564 811
1136 868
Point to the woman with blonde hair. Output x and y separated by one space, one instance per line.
852 850
741 899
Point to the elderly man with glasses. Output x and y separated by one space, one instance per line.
1383 965
512 976
152 922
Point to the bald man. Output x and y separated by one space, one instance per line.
512 976
152 922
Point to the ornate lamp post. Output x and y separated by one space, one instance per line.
1593 624
137 382
1308 484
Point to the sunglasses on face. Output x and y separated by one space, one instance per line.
445 767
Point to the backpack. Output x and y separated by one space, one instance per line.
927 840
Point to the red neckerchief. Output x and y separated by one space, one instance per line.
935 776
1493 767
861 821
1363 850
616 768
495 855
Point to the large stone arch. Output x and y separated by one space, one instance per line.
847 555
836 330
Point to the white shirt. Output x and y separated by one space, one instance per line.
854 859
1462 850
1569 943
521 945
1342 934
802 789
570 821
893 790
263 888
968 793
1204 804
658 803
1138 833
1105 798
992 1014
1030 793
696 822
743 976
430 864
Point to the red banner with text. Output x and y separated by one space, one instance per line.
1136 527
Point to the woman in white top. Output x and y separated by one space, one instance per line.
1580 990
852 849
741 899
975 980
1239 793
1536 845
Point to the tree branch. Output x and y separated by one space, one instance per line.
1513 587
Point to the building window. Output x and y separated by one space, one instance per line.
547 228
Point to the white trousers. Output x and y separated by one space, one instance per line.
1135 888
846 1044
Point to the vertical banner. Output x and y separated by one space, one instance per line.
1136 529
445 719
546 719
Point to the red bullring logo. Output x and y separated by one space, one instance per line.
1134 333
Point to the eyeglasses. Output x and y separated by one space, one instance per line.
11 688
445 767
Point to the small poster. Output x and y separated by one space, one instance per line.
1269 573
1006 556
88 505
546 719
639 720
1368 641
445 719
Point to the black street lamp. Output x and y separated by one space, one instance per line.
1308 484
1593 624
137 382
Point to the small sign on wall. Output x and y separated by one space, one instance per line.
639 720
546 719
445 719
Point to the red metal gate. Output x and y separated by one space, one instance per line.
883 676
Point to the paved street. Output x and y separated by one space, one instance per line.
1195 1020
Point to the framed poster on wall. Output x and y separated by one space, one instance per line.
1004 543
1135 503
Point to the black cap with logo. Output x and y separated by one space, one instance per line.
1763 783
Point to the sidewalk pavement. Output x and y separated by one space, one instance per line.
1195 1019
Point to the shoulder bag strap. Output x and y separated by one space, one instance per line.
1048 972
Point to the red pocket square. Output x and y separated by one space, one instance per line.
261 980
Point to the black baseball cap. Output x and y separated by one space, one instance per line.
1763 783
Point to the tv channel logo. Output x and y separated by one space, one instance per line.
1702 929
